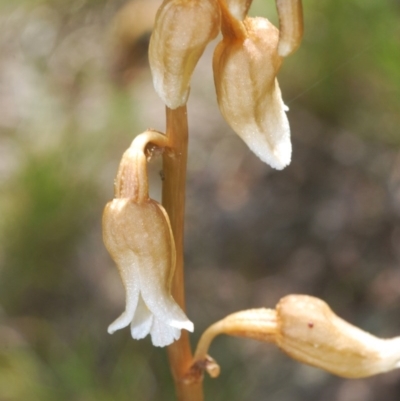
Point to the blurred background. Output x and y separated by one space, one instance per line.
75 89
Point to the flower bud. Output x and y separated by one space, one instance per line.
245 65
306 329
310 332
183 28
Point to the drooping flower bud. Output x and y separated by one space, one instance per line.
306 329
310 332
245 65
183 28
138 236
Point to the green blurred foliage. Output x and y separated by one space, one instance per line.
328 225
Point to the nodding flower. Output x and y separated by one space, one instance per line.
306 329
246 63
138 236
181 33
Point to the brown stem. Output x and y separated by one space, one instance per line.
173 200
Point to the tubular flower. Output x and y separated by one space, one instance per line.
310 332
245 65
138 236
307 329
183 28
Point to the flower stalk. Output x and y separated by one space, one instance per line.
145 238
173 200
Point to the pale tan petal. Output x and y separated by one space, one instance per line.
139 239
163 334
239 8
142 321
181 33
248 93
290 26
310 332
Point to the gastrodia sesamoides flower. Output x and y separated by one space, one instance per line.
246 63
138 236
306 329
182 30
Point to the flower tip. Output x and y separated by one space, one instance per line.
278 157
111 329
181 324
121 322
281 158
278 164
285 49
187 325
172 97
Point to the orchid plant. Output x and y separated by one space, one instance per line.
145 238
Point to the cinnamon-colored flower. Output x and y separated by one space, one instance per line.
246 63
139 239
138 236
183 28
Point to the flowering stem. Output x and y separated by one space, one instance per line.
173 200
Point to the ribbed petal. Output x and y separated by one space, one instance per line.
132 297
164 308
140 240
269 136
142 321
156 270
163 334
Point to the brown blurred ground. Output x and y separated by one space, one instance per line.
71 101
